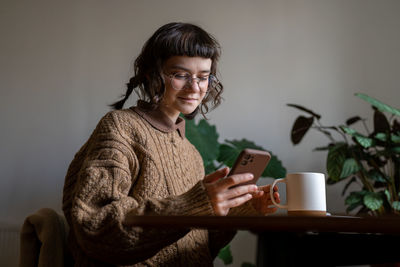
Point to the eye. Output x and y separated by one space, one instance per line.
181 76
204 78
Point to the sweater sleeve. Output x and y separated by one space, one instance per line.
101 202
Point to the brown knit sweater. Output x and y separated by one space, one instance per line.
137 161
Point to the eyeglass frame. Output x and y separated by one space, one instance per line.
191 79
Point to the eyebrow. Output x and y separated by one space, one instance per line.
187 70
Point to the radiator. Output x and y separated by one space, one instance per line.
9 245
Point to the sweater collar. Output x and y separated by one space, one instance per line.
158 119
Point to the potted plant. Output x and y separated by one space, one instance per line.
204 137
369 158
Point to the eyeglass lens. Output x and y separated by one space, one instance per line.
179 81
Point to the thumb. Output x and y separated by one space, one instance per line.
212 177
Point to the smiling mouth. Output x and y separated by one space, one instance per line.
188 99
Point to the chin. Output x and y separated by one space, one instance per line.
187 111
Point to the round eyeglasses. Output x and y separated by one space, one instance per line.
180 81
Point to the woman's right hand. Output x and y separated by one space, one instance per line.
222 195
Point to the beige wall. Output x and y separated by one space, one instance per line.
62 62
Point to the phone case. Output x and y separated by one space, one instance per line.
251 161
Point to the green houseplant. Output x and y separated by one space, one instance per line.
204 137
369 158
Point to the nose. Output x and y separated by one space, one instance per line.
194 83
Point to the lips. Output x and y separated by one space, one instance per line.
190 99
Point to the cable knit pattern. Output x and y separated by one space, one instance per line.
129 166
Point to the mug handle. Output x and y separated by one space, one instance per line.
271 193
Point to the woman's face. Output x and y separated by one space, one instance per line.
186 82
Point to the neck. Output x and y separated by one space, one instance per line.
173 116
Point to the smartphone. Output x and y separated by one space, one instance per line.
251 161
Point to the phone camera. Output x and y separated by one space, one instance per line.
251 158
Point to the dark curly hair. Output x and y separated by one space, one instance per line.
172 39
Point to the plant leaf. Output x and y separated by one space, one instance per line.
335 160
352 120
396 149
275 168
348 130
376 176
373 201
381 124
350 166
225 255
387 194
395 138
396 205
354 200
227 154
300 128
355 197
378 104
204 137
381 137
305 110
365 142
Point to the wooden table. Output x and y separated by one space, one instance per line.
303 241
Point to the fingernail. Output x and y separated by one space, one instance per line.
251 176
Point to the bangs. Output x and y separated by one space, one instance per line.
189 40
193 45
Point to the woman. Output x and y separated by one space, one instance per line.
138 161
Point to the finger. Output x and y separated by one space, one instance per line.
236 180
258 194
237 201
240 190
269 202
277 197
264 188
275 194
219 174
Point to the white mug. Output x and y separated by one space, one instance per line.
305 194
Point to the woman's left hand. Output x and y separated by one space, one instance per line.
262 200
